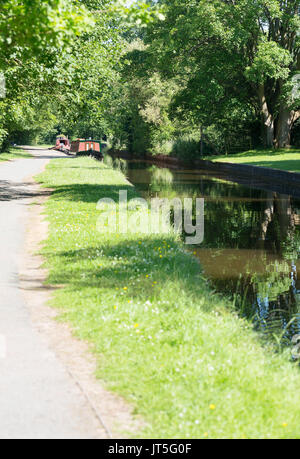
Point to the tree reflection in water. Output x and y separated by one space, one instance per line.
251 246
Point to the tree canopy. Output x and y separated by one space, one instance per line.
156 77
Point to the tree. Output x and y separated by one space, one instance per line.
33 36
109 88
61 60
90 72
32 28
233 53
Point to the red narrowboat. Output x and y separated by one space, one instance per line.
87 147
62 144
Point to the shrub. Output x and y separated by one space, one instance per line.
3 137
186 148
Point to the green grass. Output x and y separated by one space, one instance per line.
177 351
14 153
284 159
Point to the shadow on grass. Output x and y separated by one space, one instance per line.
91 193
133 265
292 165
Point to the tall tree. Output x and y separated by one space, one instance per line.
234 53
33 35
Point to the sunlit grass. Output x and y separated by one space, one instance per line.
14 153
284 159
163 339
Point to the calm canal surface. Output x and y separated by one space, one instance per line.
251 247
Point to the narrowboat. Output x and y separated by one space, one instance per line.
62 144
82 147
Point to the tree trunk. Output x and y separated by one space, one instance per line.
286 120
285 214
284 127
266 220
268 132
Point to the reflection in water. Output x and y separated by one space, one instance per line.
251 245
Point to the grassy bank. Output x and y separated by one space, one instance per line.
164 341
284 159
14 153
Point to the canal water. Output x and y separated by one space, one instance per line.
251 247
